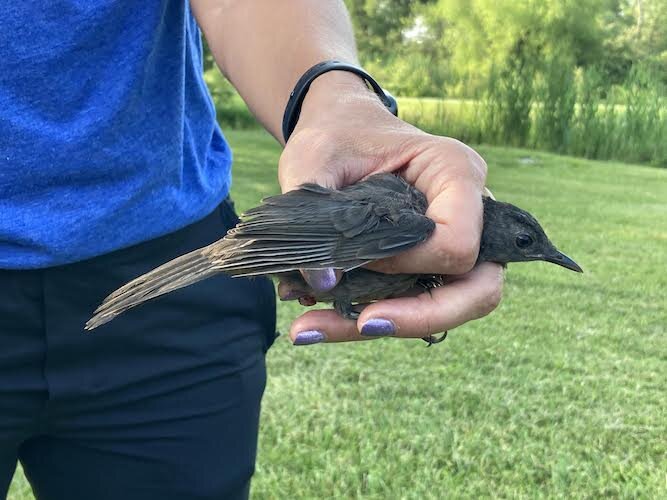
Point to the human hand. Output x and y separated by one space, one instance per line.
354 137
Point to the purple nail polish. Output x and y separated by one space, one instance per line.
322 280
378 327
309 337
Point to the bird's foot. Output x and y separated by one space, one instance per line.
347 310
432 339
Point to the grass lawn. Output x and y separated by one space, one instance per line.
560 393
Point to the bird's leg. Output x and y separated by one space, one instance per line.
432 339
345 309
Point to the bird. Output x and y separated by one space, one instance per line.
316 227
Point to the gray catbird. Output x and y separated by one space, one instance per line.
314 227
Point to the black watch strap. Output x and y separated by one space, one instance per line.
293 109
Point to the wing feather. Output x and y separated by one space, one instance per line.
316 227
312 227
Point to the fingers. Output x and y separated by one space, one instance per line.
471 296
453 247
323 326
452 175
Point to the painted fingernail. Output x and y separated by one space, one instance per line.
322 280
309 337
378 327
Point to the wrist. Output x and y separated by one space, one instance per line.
335 94
337 82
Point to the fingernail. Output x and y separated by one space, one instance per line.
378 327
308 337
322 280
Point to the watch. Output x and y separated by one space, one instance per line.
293 109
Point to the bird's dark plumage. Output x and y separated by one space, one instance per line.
314 227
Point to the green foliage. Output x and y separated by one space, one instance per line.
575 77
379 24
557 109
590 132
642 122
634 31
582 77
416 74
509 101
482 35
558 394
407 66
554 106
471 38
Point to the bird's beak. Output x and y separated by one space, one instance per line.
563 260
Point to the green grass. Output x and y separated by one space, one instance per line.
560 393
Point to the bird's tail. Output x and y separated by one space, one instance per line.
182 271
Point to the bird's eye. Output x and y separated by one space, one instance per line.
524 241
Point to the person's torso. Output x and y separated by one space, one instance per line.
107 132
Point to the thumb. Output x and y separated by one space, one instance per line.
322 280
309 157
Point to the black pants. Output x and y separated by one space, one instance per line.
161 403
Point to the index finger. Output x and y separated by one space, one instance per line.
469 297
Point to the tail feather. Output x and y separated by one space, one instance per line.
178 273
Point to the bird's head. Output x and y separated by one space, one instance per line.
511 234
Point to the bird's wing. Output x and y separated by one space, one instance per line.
315 227
312 227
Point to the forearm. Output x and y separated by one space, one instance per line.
264 46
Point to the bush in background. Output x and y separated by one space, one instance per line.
555 107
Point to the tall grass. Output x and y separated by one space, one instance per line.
508 102
551 106
557 108
646 137
590 132
555 92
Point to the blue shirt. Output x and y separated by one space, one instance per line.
108 134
